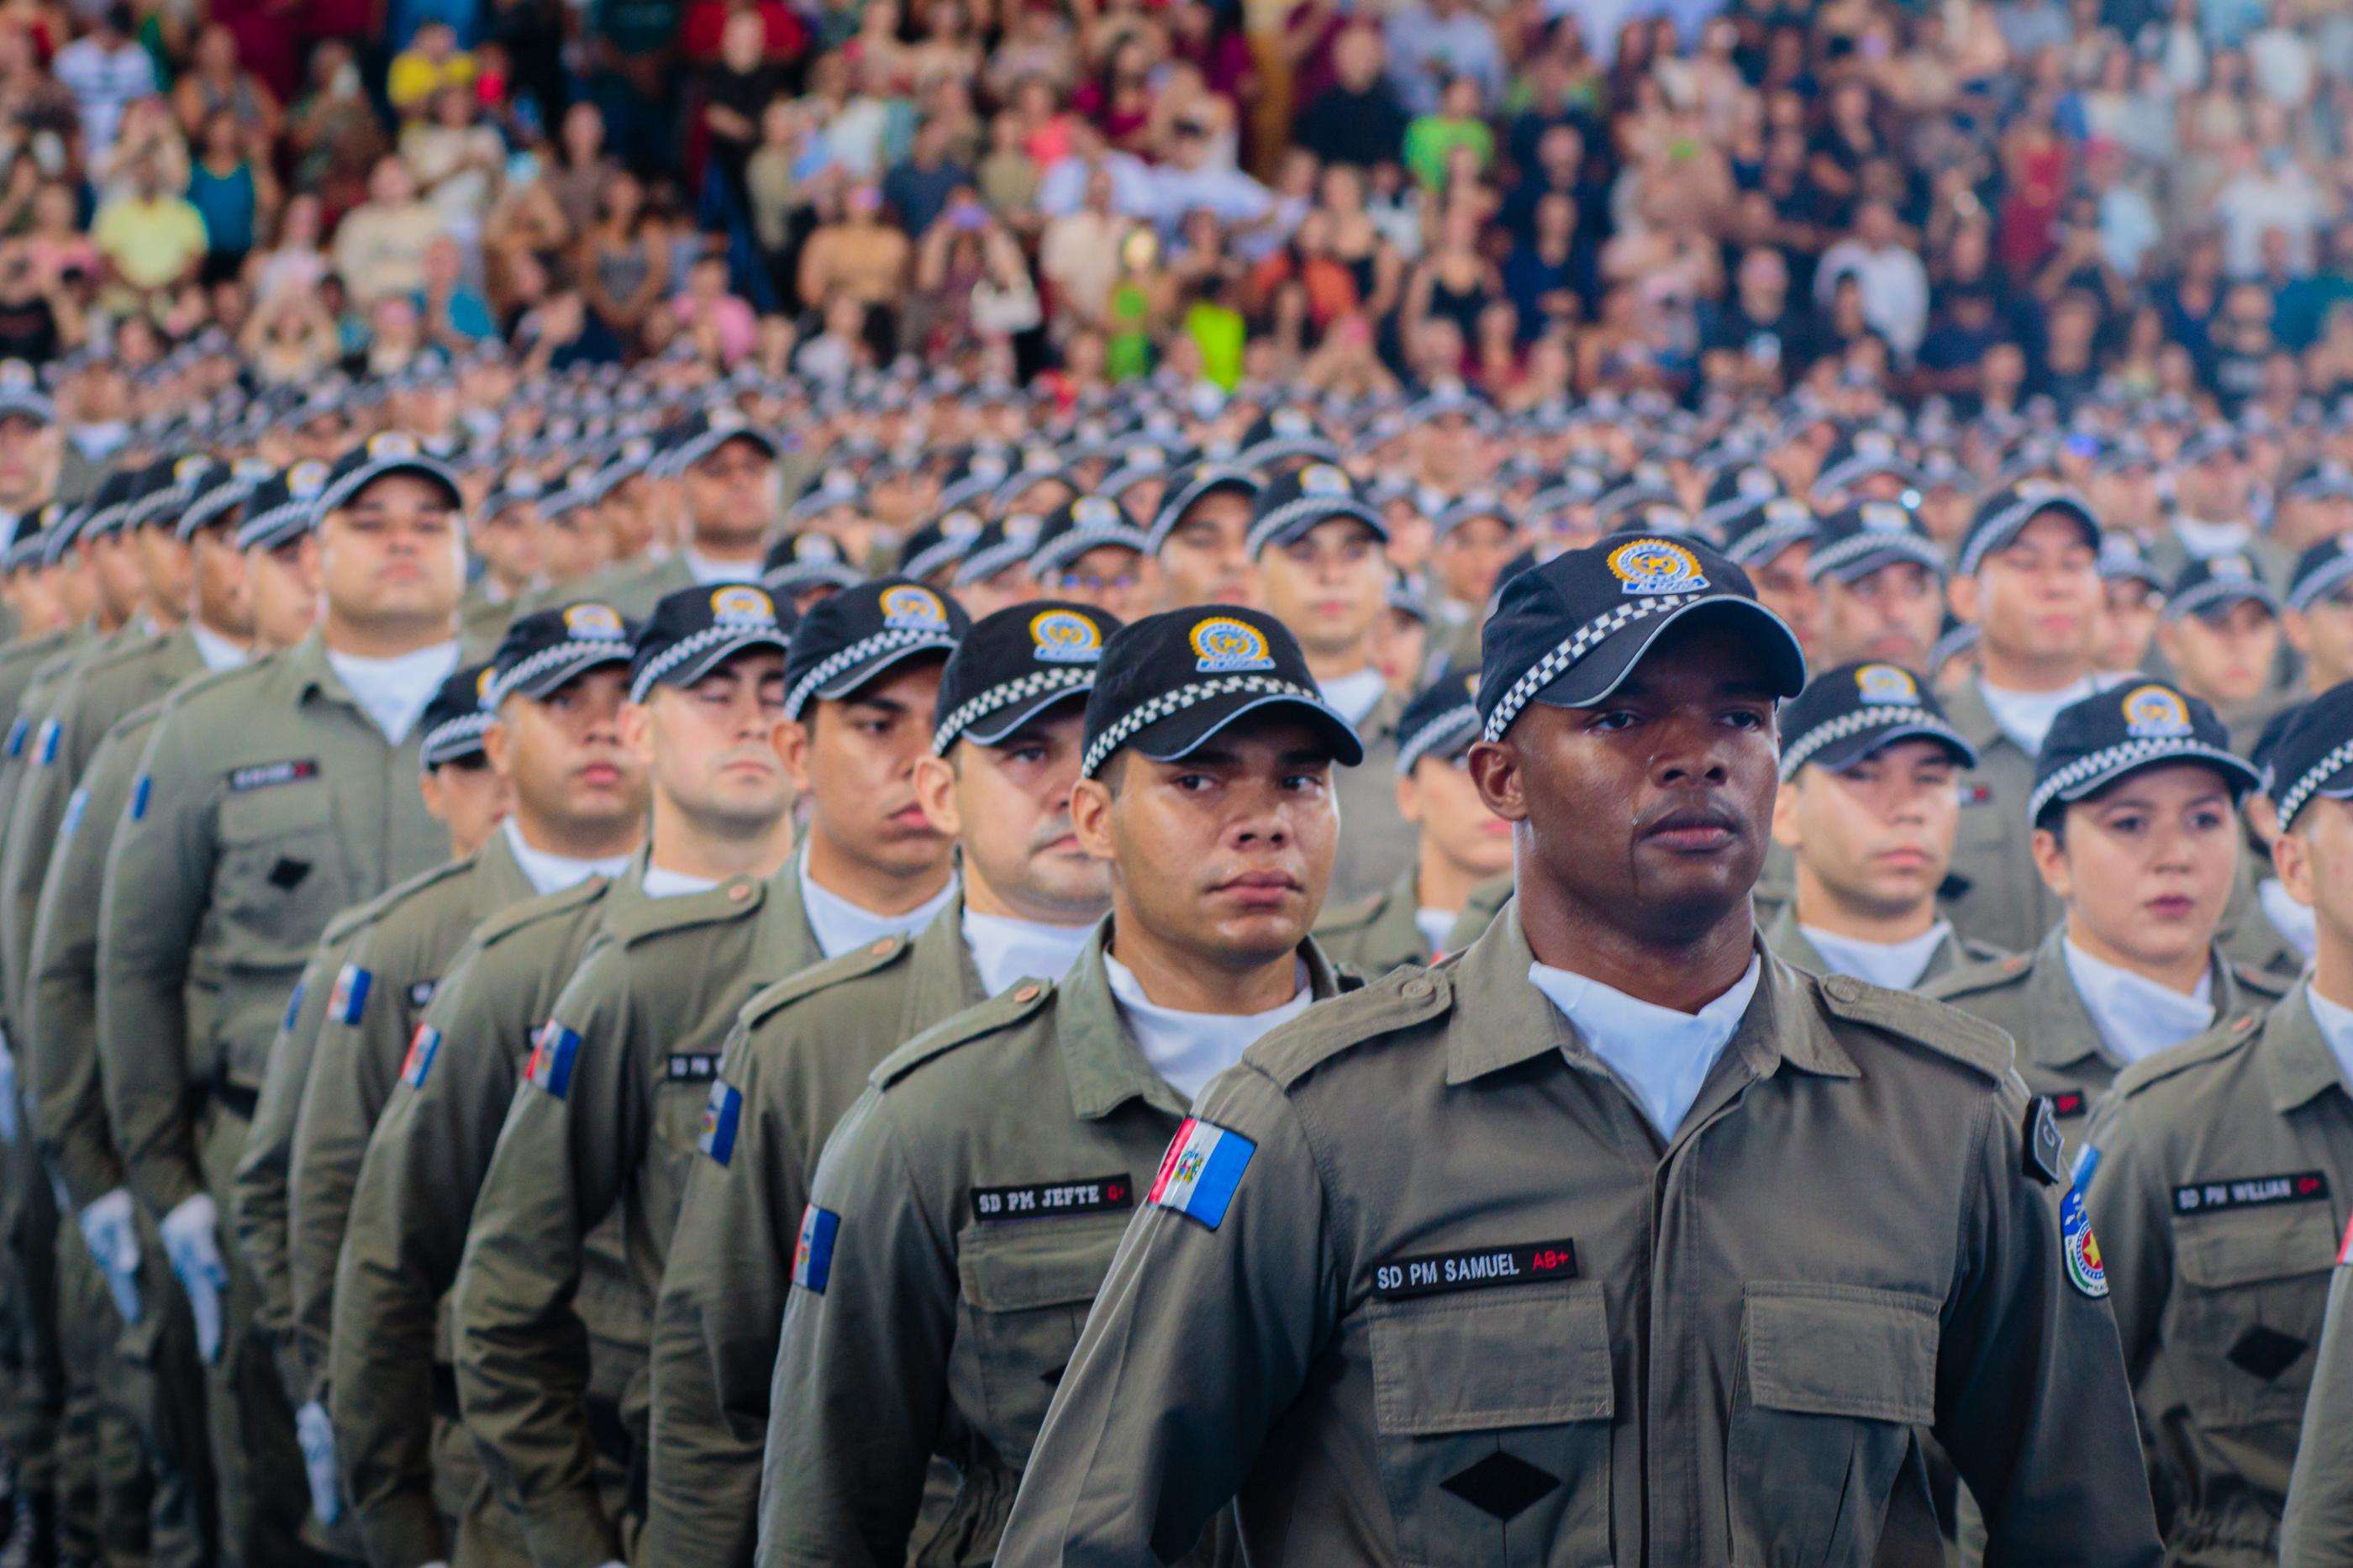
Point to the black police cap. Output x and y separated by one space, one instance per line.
1856 541
852 638
1084 523
2212 584
695 630
1754 534
451 728
1014 664
2003 516
1293 503
545 649
2313 758
394 452
2320 571
1441 719
2118 733
1169 683
1845 714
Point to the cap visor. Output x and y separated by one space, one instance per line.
693 670
1852 749
546 682
2241 773
865 673
1182 733
1001 723
2215 600
1779 660
1921 554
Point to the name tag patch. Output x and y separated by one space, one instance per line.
691 1067
2249 1193
2069 1103
1046 1200
1474 1268
267 776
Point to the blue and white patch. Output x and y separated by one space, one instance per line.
76 803
46 753
2086 1271
347 1003
721 1113
17 733
293 1006
1203 1166
813 1258
423 1047
2087 1160
552 1057
139 792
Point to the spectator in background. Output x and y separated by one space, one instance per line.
918 188
217 83
236 198
149 239
1360 119
1892 284
1432 40
1432 141
106 70
449 311
380 246
622 264
1079 257
432 62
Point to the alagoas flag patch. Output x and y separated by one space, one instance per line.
720 1115
813 1256
347 1003
552 1056
1203 1166
423 1047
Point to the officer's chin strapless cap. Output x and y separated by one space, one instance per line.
543 649
1845 714
2139 724
2313 756
451 728
2003 516
800 561
2211 586
2321 572
1015 664
851 639
1191 484
1169 683
1442 720
1293 504
1856 541
282 507
392 452
1568 632
695 630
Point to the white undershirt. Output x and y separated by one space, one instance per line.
1354 696
1436 926
841 926
549 873
393 691
1660 1055
1005 950
2336 1022
2208 539
703 569
2136 1016
2025 716
1188 1049
216 650
1897 965
660 884
2300 924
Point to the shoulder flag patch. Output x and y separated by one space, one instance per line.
348 1001
719 1114
1203 1166
551 1059
813 1258
2344 1252
293 1006
423 1047
139 793
17 733
47 751
76 805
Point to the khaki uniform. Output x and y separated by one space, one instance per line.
977 1190
483 619
1375 843
2246 935
1466 1306
2318 1530
633 587
1787 941
2033 998
1479 911
796 1059
393 1392
268 802
607 1119
2219 1176
1375 934
1999 897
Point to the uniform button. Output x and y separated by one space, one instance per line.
1417 988
881 946
740 891
1846 987
1025 994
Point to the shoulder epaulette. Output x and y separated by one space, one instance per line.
358 916
1354 915
2226 1038
1000 1012
825 976
402 891
2267 984
1984 951
650 917
1398 1000
1990 974
533 911
1946 1030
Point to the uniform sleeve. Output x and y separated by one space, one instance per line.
578 1123
2318 1530
158 885
722 1294
52 770
356 1064
2032 1402
2127 1203
1201 1338
59 1011
410 1209
259 1208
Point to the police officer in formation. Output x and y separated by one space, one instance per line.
761 1067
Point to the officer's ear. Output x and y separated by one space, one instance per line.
1496 768
792 742
936 794
1409 795
2049 850
2292 858
1962 593
498 743
1786 832
1090 803
638 729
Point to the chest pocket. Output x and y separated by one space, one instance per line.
281 875
1026 1287
678 1104
1836 1377
2255 1285
1493 1412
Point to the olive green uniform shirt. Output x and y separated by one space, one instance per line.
605 1118
389 1368
1466 1306
22 755
388 979
1377 934
2001 899
977 1193
2318 1530
633 587
2218 1177
796 1059
1787 939
1377 844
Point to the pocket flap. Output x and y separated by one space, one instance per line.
1530 1355
1843 1350
2223 1249
1014 1267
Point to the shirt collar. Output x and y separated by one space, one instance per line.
551 873
2307 1047
2124 1003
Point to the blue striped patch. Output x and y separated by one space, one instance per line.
17 733
552 1056
348 1001
51 730
719 1114
423 1047
139 793
813 1258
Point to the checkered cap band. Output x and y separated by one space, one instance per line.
701 643
2298 795
1173 507
1168 704
274 526
456 738
229 492
2094 766
982 564
895 640
1321 508
584 653
1455 723
1066 547
1828 559
1764 543
1999 529
2217 591
923 562
2321 584
1037 683
1564 655
1846 725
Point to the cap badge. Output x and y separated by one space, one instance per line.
816 547
304 480
2155 714
1323 479
904 604
1755 484
1886 683
738 604
1225 644
1655 566
1065 637
590 622
391 444
1094 512
483 687
1884 517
